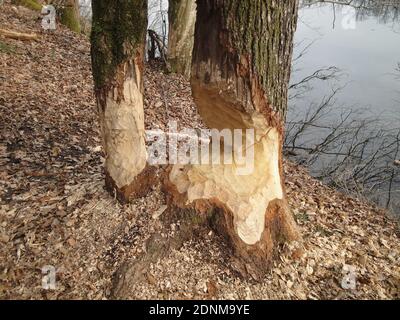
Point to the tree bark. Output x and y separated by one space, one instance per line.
240 73
181 17
69 15
118 41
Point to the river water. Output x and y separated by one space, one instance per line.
363 42
367 51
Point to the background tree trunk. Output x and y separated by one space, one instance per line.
240 75
69 15
181 17
118 40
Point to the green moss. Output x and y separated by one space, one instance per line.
197 219
70 18
31 4
118 29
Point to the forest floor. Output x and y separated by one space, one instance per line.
55 212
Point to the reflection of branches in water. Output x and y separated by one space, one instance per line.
354 155
386 11
341 145
303 51
301 87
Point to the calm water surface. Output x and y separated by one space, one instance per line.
367 56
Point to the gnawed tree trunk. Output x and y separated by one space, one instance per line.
181 17
240 74
118 40
69 15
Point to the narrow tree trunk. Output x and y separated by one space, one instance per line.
181 17
240 74
69 15
118 40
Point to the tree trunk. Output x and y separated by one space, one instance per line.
181 17
69 15
240 73
118 41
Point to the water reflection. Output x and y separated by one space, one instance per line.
385 12
367 54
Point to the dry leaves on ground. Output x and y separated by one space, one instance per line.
54 210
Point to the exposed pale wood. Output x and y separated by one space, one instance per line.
18 35
118 38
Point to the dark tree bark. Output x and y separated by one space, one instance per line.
118 40
181 17
240 73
